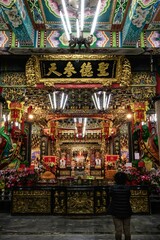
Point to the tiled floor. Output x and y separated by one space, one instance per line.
74 228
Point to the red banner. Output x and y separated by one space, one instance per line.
49 159
111 158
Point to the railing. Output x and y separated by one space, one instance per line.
72 199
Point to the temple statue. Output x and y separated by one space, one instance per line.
148 142
6 148
80 159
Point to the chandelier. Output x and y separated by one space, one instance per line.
101 100
80 127
58 100
79 39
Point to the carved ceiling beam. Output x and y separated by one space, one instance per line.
17 17
139 14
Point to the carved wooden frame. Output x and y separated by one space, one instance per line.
33 71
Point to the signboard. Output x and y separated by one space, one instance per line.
75 69
49 159
111 158
78 69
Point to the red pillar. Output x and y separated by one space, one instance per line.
158 84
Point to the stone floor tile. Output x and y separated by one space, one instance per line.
143 227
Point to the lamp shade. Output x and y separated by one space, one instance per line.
58 100
101 100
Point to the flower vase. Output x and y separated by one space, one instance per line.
148 166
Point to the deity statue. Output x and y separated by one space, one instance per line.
98 160
63 161
80 159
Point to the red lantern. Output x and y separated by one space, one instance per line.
16 110
139 109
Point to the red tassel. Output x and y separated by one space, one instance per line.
22 126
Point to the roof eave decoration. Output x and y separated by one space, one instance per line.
17 17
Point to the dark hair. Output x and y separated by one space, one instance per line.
120 178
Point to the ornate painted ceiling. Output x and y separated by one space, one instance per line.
123 27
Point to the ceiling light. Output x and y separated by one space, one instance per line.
30 116
101 100
129 116
58 100
80 127
79 39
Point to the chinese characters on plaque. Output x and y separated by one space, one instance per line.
78 69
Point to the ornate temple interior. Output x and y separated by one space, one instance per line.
79 104
82 131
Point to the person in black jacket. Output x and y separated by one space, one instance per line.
120 207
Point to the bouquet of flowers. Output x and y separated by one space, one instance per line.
133 175
18 177
143 178
155 180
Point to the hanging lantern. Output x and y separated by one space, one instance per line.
139 109
16 110
101 100
58 100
